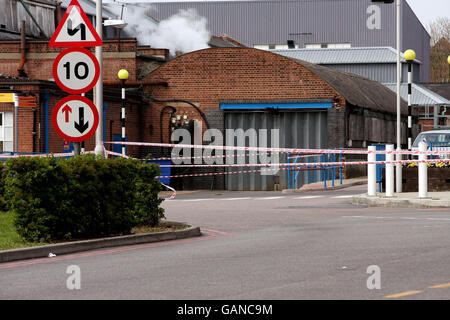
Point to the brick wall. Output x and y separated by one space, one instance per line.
207 77
32 122
40 56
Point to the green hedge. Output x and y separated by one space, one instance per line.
81 197
3 174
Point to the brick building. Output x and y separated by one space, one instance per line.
35 61
311 105
221 88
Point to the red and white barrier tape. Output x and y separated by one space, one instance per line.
211 157
305 156
256 149
220 173
174 192
116 154
289 168
38 155
280 150
302 164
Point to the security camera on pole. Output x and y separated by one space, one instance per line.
76 71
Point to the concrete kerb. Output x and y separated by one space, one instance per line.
85 245
321 188
399 202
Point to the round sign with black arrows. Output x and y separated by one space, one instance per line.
75 118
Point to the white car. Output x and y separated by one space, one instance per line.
436 140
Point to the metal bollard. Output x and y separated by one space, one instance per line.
423 174
371 172
389 171
398 172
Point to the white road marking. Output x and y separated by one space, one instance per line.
308 197
261 198
269 198
400 218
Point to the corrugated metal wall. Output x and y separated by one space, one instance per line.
380 72
416 37
271 22
296 130
12 13
307 21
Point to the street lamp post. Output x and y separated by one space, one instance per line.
398 166
448 60
409 55
98 90
123 76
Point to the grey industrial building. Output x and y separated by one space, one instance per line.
376 63
269 24
380 64
311 106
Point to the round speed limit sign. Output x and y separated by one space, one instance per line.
76 70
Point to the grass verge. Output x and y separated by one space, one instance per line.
10 239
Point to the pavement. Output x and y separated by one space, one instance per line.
405 200
52 250
319 186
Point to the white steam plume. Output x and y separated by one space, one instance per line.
183 32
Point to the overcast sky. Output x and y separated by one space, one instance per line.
428 10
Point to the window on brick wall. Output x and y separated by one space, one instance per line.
6 131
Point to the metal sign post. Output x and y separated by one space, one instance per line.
76 71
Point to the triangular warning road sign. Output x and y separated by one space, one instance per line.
75 29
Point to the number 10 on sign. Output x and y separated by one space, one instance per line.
76 70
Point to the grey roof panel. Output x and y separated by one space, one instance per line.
420 94
343 55
358 90
442 89
89 7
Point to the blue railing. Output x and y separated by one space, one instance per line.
380 167
326 172
439 145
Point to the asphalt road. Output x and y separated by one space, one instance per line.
260 245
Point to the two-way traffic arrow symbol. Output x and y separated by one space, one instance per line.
81 126
75 118
66 110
